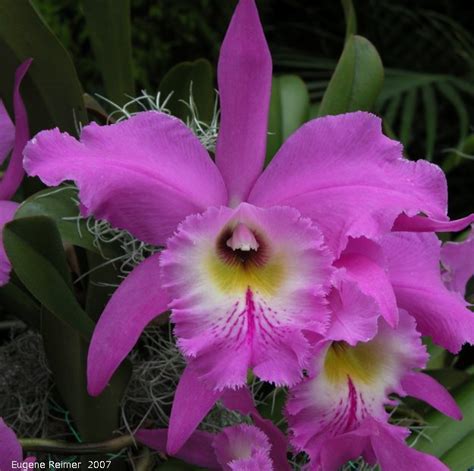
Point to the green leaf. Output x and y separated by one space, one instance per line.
196 77
443 433
20 304
101 278
35 249
449 377
60 205
356 81
289 108
460 456
108 24
95 417
350 16
51 90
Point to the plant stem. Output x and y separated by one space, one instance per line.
64 448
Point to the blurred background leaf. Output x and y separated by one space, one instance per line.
108 25
52 91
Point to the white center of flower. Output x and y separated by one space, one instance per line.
242 239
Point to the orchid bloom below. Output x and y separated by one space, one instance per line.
258 263
338 412
11 454
13 137
235 448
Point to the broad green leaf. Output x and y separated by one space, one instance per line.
51 89
95 417
35 250
461 456
196 78
449 377
20 304
60 204
351 18
438 355
289 108
443 433
356 81
108 24
102 274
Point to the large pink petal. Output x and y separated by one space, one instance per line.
244 78
198 450
10 449
414 270
7 211
394 454
14 174
7 133
348 177
458 260
137 301
145 174
427 389
192 401
364 263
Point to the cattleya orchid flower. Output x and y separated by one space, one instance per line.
13 137
331 240
11 454
235 448
259 447
338 412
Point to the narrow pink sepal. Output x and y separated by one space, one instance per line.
192 401
426 388
244 77
394 454
15 172
427 224
198 449
137 301
7 133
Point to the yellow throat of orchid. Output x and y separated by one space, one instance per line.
242 259
361 362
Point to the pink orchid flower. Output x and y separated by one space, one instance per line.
12 136
235 448
10 450
338 412
258 263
